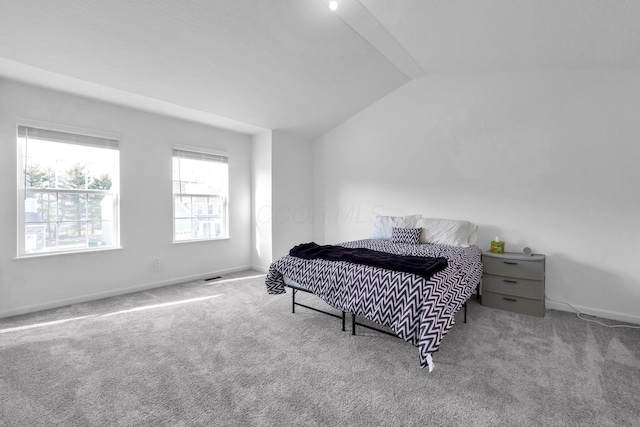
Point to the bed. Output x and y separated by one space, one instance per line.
420 310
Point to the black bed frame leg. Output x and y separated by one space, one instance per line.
293 300
465 312
344 315
353 323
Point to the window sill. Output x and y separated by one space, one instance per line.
49 254
213 239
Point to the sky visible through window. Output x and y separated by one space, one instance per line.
61 157
200 177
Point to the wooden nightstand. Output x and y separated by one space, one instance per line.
514 282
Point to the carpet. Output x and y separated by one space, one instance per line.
224 353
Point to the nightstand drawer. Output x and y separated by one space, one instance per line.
528 306
513 286
524 269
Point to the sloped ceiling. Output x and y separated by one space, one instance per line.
462 36
293 64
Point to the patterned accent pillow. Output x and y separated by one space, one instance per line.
383 225
410 236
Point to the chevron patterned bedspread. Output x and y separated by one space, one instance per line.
419 311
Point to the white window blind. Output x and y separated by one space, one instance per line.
195 155
67 138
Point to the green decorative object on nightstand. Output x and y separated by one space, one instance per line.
497 247
514 282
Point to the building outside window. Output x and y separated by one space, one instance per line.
68 191
200 193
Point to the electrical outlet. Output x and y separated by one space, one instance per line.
156 265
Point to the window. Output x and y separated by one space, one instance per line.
200 194
68 191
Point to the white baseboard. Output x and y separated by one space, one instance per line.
116 292
260 269
604 314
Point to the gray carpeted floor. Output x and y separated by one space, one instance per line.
225 353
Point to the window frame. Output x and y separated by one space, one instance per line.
197 150
23 190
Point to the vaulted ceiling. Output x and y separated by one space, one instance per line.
295 65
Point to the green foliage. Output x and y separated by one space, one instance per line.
40 178
101 183
74 177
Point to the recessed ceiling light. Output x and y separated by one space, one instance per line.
333 5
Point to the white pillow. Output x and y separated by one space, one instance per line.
447 232
383 225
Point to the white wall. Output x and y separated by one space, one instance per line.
146 205
261 244
293 209
283 211
546 160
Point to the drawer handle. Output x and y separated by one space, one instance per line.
509 281
510 262
509 299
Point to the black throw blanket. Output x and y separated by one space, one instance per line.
421 266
